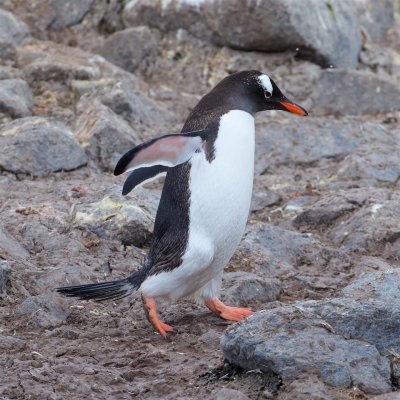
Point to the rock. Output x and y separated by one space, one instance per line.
261 200
103 134
282 142
12 33
305 388
46 311
10 248
125 100
360 92
68 13
5 272
38 146
227 394
382 164
128 219
273 252
373 229
7 72
128 48
47 61
10 343
245 288
375 18
293 340
226 23
382 285
15 98
333 207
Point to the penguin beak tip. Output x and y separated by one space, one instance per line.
294 108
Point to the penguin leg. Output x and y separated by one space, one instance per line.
150 308
226 312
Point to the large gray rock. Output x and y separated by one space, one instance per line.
292 340
375 17
128 219
38 146
103 134
347 92
382 163
273 252
243 289
68 13
373 229
48 61
15 98
12 32
45 311
10 248
272 25
332 207
284 141
382 285
128 48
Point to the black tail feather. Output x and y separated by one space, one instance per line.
102 291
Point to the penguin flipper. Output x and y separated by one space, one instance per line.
157 155
141 175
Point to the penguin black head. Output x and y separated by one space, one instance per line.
253 91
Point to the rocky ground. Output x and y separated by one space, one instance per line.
83 81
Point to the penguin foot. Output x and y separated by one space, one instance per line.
226 312
150 308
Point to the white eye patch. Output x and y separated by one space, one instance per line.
265 83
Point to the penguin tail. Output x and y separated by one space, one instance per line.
102 291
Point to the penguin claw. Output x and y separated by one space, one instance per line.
150 307
226 312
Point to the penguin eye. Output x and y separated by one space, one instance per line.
267 94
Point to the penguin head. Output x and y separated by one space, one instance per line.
270 97
254 91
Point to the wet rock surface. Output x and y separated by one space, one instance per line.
81 82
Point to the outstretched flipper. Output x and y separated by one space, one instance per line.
155 156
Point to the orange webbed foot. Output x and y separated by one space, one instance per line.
226 312
150 307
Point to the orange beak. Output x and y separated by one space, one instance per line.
293 108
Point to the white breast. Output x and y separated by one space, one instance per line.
219 207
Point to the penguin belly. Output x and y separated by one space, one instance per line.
220 196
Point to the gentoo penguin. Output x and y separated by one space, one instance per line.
205 200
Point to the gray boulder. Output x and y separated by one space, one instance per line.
12 32
381 164
243 288
129 47
275 25
10 248
333 207
292 340
373 229
128 219
375 17
15 98
347 92
38 146
383 285
68 13
11 343
273 252
103 134
283 141
46 311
